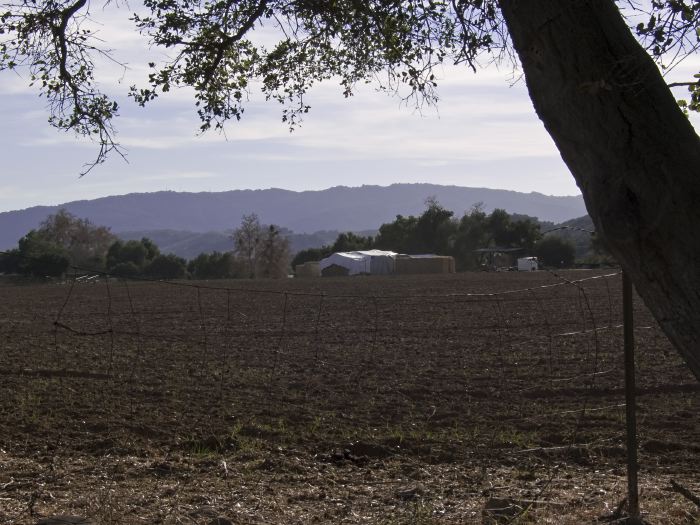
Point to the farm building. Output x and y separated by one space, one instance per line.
527 264
375 262
423 264
379 262
497 258
308 269
335 270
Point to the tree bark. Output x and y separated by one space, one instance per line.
634 155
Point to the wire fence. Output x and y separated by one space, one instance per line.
494 369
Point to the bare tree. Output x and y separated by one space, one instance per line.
246 239
264 250
274 254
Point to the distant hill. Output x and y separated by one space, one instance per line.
340 208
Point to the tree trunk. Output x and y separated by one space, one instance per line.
633 153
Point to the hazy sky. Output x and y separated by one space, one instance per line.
483 133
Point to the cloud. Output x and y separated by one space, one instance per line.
171 176
473 122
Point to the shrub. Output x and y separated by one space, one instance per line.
166 267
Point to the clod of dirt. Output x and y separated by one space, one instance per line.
501 510
342 457
654 446
211 444
268 464
161 468
410 494
369 450
220 521
100 446
64 520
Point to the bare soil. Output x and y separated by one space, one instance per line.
385 400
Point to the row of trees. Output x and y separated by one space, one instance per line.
261 251
60 241
438 231
63 241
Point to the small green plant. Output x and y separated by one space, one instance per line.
515 438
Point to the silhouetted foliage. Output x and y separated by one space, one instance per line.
61 241
398 235
62 236
84 243
41 258
555 252
126 269
438 231
311 254
120 253
10 261
130 258
166 267
472 233
435 229
351 242
215 265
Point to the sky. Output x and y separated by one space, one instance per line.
482 133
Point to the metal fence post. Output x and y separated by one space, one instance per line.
630 398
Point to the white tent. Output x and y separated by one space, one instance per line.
376 262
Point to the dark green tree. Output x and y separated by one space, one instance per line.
524 233
152 251
311 254
555 252
351 242
472 234
84 243
41 258
126 270
120 252
215 265
435 229
498 225
398 235
168 266
130 258
10 261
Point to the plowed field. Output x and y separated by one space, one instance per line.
344 400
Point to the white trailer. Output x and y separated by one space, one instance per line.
527 264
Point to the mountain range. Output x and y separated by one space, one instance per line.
306 212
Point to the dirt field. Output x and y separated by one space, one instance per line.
385 400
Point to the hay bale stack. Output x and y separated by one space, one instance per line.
424 264
308 269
